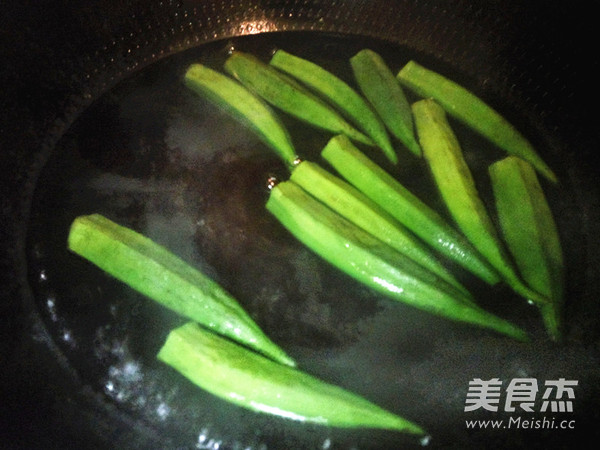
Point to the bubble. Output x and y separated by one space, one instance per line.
271 183
163 410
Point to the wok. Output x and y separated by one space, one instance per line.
94 119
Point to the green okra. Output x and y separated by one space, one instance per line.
249 380
288 95
473 112
349 102
160 275
382 89
244 105
350 203
530 232
456 185
405 207
373 263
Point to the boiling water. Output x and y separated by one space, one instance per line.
155 157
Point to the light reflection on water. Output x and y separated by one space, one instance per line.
399 342
128 381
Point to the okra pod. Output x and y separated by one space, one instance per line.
373 263
384 190
456 185
473 112
379 85
249 380
338 93
162 276
530 233
350 203
288 95
244 105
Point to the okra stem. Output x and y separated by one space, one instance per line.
157 273
530 233
457 187
244 105
288 95
373 263
350 203
473 112
249 380
384 190
339 94
382 89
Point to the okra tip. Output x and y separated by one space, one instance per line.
391 155
520 335
548 173
551 317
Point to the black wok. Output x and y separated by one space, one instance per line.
94 119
